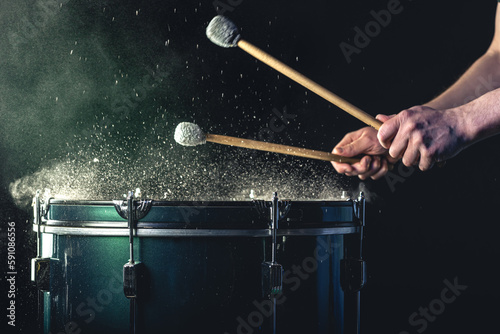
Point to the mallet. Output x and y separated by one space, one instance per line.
225 33
190 134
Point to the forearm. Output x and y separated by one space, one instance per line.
481 117
483 76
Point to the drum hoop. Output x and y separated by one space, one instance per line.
123 232
198 203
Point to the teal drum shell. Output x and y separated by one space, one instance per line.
201 267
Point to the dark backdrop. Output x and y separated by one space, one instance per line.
105 82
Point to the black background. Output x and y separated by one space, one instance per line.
422 228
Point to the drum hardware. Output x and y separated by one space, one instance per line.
140 208
359 208
263 208
272 272
132 271
353 274
284 207
40 267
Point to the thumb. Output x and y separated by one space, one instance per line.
346 150
384 118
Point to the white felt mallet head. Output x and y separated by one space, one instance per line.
223 32
189 134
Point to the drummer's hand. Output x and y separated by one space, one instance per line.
422 135
375 162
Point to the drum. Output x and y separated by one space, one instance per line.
199 267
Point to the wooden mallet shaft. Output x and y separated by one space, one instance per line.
308 83
277 148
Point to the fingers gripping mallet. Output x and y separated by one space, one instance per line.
190 134
224 32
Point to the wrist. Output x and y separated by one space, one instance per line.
466 130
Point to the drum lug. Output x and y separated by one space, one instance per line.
353 269
272 272
131 275
359 208
40 273
352 274
132 271
40 267
272 279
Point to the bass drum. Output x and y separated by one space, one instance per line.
201 267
